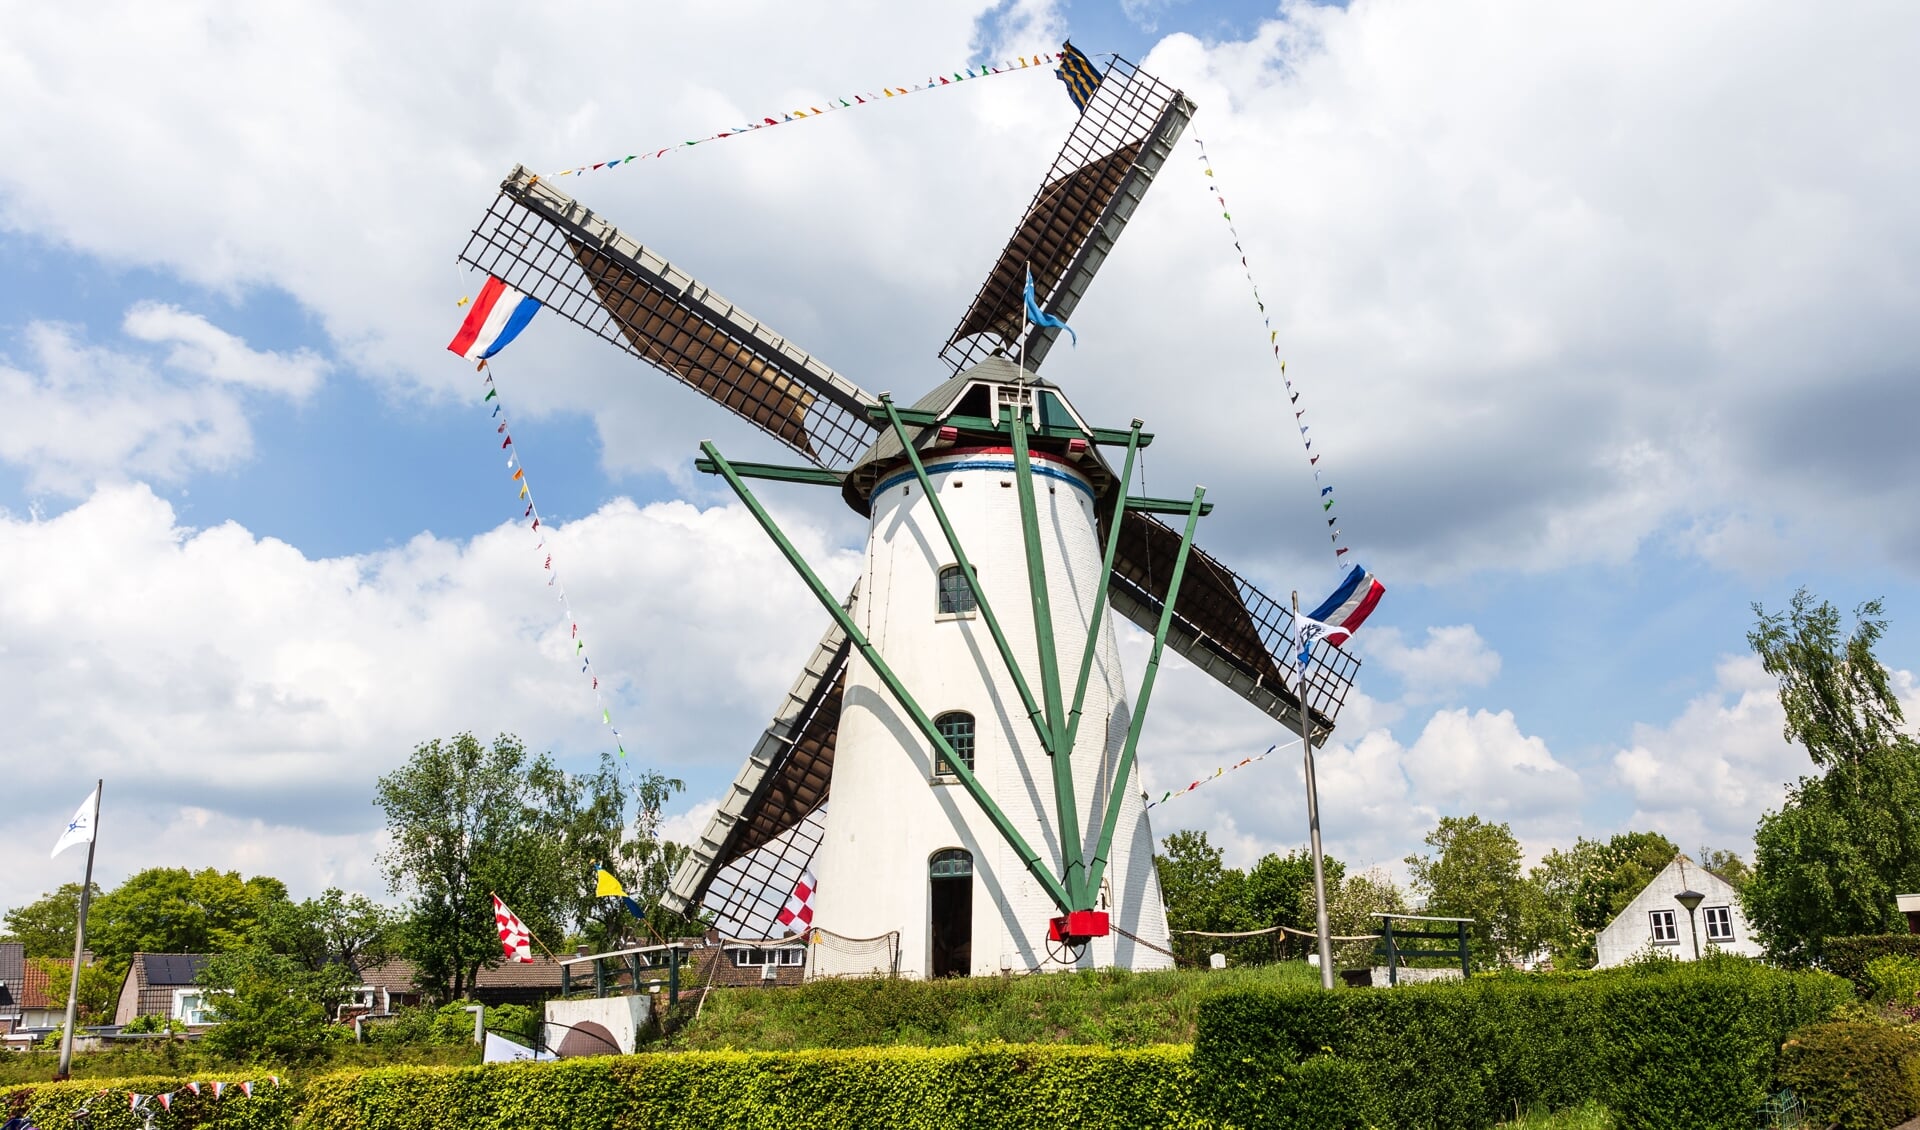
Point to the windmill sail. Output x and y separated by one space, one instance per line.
544 243
1096 182
1225 626
765 831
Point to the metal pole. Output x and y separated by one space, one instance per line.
673 975
1695 931
79 943
1313 821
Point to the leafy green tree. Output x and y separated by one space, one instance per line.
99 987
269 1007
1279 892
590 810
1475 873
45 925
174 910
1578 891
1728 865
468 821
1844 844
1201 893
1351 906
351 931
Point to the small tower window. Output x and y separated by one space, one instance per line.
957 728
956 595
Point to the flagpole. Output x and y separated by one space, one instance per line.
1313 811
79 942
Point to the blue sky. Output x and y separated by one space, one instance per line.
1601 350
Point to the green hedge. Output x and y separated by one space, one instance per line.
48 1105
1853 1074
1662 1047
1848 956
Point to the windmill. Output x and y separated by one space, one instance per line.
954 767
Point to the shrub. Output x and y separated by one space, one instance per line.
1856 1075
1894 979
1662 1045
1848 957
55 1104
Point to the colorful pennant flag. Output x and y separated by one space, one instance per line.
851 101
606 886
1273 342
797 915
1218 773
532 516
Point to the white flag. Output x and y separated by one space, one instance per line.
80 828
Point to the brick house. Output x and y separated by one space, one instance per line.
164 984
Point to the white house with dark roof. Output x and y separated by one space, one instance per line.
1657 919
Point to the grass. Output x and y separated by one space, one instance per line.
1115 1008
1587 1116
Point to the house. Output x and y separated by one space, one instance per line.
164 984
13 974
1657 921
390 985
25 999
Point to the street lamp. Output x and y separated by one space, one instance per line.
1691 899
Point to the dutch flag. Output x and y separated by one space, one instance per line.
497 317
1340 615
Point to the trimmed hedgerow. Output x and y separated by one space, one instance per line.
1662 1046
107 1106
1013 1086
1849 956
1853 1074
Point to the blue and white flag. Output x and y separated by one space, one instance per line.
80 828
1040 317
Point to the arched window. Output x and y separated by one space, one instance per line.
957 727
952 863
956 596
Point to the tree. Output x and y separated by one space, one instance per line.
1578 891
1351 906
1279 892
1728 865
351 931
1475 873
590 811
1831 860
99 987
269 1007
1202 893
45 926
174 910
469 821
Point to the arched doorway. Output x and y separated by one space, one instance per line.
950 884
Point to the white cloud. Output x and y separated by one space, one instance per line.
202 348
1551 286
1453 658
1707 776
215 672
77 414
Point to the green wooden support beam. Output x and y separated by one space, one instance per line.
776 472
871 654
1120 503
1164 505
1118 791
1034 714
1106 437
1066 805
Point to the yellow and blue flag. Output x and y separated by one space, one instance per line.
1079 73
606 886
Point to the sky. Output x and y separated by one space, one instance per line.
1602 318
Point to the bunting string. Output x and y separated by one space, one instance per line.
503 428
1326 495
833 105
138 1102
1218 773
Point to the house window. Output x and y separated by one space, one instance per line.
190 1007
1666 932
1719 923
956 595
754 958
793 955
957 728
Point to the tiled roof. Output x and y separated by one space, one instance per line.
34 985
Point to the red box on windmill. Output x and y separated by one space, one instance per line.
1078 925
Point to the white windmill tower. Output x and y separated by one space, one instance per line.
965 712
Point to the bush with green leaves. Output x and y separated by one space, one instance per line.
1893 979
152 1024
106 1106
1849 957
1854 1074
1663 1045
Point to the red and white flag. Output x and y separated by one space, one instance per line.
218 1087
166 1100
194 1087
246 1088
797 915
515 939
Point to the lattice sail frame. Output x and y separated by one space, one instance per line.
1098 178
544 243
